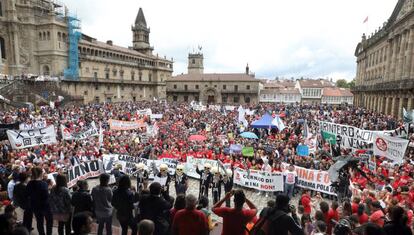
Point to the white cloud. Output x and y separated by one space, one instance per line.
276 37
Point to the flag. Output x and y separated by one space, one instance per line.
408 116
62 156
328 137
366 20
306 130
100 136
278 123
242 118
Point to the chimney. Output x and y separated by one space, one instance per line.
247 69
109 42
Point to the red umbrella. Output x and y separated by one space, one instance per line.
197 138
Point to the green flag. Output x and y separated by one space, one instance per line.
329 137
248 151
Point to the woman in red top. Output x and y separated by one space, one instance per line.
362 216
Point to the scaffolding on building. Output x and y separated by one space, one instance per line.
74 35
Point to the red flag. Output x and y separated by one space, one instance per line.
366 20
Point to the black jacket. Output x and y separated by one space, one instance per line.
392 228
20 196
282 224
82 201
154 208
123 200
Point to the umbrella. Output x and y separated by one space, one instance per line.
249 135
340 163
197 138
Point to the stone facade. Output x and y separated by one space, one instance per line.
34 40
213 88
385 65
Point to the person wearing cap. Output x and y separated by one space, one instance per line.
377 215
181 180
206 179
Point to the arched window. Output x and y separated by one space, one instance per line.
2 48
1 8
44 35
59 36
46 70
40 35
193 61
48 35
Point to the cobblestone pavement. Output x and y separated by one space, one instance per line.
259 200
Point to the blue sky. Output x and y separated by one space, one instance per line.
281 38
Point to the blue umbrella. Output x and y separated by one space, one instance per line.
249 135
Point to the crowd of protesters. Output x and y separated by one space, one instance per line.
384 206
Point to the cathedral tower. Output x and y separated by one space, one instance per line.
141 34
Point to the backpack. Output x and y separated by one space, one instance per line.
264 225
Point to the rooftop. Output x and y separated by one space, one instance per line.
214 77
335 91
311 83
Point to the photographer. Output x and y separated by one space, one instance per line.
235 219
278 221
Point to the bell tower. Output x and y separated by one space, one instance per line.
141 33
195 63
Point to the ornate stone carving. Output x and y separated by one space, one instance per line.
407 7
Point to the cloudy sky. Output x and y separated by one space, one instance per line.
282 38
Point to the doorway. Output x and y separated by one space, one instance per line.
210 99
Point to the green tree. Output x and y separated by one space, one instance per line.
342 83
351 84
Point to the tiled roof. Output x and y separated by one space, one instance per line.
280 91
313 83
336 92
232 77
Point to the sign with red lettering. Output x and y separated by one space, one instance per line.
260 180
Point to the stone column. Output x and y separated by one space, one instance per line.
400 63
393 104
409 103
388 62
400 108
409 54
387 101
393 59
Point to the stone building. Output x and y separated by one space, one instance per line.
337 96
212 88
35 39
280 91
385 66
312 89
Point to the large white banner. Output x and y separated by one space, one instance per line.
128 163
390 147
85 170
260 180
315 180
351 137
67 134
144 112
20 139
34 125
125 125
192 164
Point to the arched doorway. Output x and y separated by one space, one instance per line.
46 70
210 96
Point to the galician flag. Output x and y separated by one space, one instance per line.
328 137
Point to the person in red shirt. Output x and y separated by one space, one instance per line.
355 204
189 220
377 217
306 202
362 216
235 219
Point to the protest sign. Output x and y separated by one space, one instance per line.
259 180
192 162
20 139
248 151
315 180
144 112
67 134
156 116
390 147
34 125
85 170
372 165
302 150
125 125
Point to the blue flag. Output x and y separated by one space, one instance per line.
302 150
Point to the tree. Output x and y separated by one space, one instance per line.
342 83
351 84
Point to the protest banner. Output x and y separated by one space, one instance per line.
302 150
351 137
34 125
20 139
259 180
144 112
67 134
192 162
248 151
5 127
229 107
84 170
156 116
125 125
390 147
315 180
128 163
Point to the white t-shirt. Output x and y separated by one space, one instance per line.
290 177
